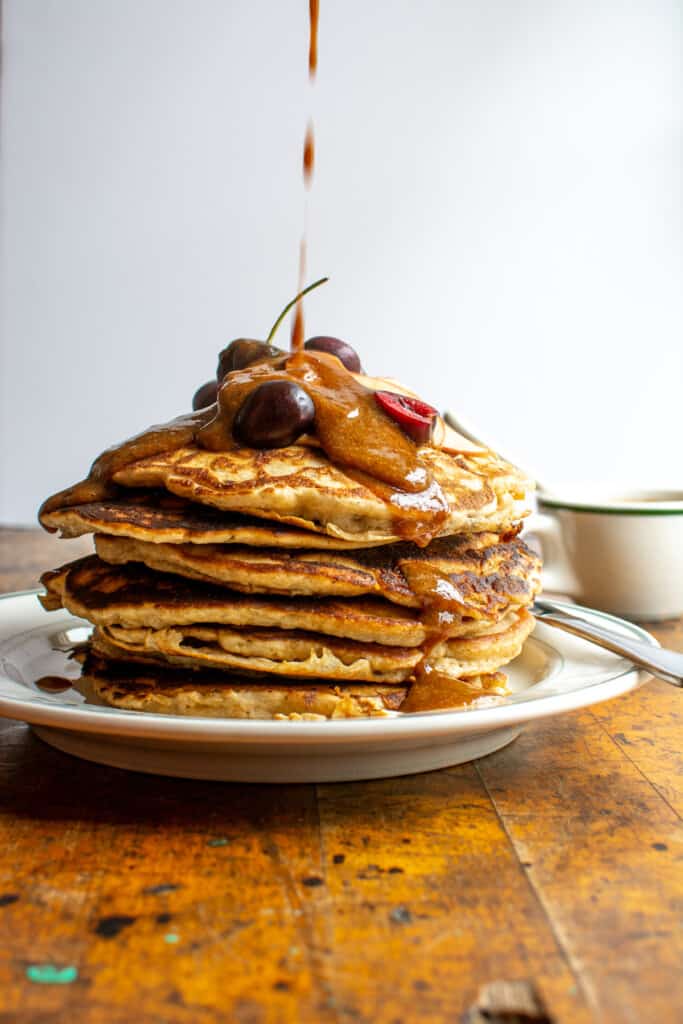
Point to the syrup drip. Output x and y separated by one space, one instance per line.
298 330
443 608
53 684
297 343
314 14
436 691
309 155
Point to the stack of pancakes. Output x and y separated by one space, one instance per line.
272 583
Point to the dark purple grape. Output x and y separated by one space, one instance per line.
205 395
336 347
243 352
273 415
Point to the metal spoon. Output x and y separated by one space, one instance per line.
665 664
463 428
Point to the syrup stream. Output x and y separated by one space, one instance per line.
298 331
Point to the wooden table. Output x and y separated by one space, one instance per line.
556 863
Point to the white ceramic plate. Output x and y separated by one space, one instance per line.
556 672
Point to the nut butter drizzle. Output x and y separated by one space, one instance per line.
99 484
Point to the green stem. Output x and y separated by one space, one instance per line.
289 305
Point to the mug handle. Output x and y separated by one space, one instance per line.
557 574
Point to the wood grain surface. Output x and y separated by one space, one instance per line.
543 883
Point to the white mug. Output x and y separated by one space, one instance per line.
622 554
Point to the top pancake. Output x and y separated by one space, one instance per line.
300 486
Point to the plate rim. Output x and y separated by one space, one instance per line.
421 726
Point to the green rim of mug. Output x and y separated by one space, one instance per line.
633 508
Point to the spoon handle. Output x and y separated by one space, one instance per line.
665 664
457 423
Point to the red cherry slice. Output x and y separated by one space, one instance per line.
415 418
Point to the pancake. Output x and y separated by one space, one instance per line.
476 655
158 517
483 574
274 652
307 655
299 485
215 695
132 595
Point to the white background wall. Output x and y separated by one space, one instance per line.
497 201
